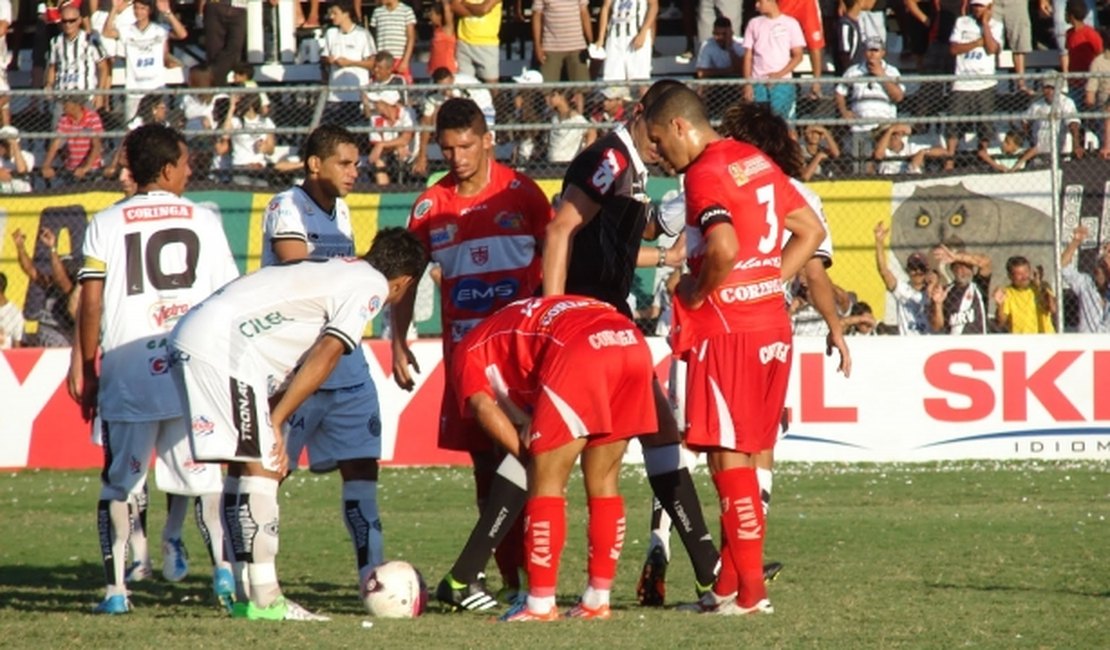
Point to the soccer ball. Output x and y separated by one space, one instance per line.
395 590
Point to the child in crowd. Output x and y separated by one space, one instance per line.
442 54
242 74
565 138
773 45
1006 158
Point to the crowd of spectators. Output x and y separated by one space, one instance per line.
367 54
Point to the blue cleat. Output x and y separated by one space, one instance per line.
223 585
117 604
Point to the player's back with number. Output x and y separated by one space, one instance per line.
158 254
733 182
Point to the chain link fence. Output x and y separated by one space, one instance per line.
1018 180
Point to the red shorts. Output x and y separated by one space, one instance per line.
808 15
736 390
603 393
459 431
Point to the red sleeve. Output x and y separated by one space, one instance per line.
704 208
467 375
420 217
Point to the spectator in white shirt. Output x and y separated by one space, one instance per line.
564 139
897 154
863 96
349 56
1038 120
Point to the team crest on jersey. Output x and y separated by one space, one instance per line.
509 220
515 183
165 313
274 205
202 426
443 236
479 255
611 165
375 304
421 209
158 365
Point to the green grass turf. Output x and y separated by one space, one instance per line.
974 554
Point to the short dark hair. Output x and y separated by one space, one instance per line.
1014 262
722 21
1077 9
243 68
460 114
324 140
149 149
396 252
384 56
3 282
441 73
678 101
346 6
764 129
656 90
145 110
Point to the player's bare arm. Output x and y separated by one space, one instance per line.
319 362
880 257
289 249
400 315
720 255
88 320
575 210
806 234
495 423
823 297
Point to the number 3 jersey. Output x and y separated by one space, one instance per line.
735 183
158 255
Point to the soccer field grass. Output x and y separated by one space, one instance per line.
975 554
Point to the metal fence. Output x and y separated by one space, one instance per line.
983 198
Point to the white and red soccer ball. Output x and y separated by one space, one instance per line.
395 590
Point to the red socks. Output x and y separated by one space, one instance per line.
742 531
606 538
545 533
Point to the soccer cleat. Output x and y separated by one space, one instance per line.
521 614
709 603
511 595
471 597
771 571
581 610
117 604
731 608
281 609
651 589
175 560
239 609
223 585
138 571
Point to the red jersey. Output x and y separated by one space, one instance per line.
487 245
734 182
442 53
78 147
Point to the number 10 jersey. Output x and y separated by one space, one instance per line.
158 255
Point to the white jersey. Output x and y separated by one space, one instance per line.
976 61
158 255
260 326
825 250
293 214
244 145
144 51
356 45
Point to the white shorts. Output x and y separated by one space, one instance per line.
335 425
127 451
624 63
229 416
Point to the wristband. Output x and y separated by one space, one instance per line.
662 257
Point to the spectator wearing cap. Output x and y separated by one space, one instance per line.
78 133
393 141
561 29
348 56
1038 122
961 307
1092 290
976 40
869 90
15 163
614 104
912 297
1027 305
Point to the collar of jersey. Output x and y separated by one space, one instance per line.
330 215
637 162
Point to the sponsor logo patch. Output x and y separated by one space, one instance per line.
202 426
472 294
421 208
155 212
164 314
158 365
509 220
479 255
611 165
443 236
